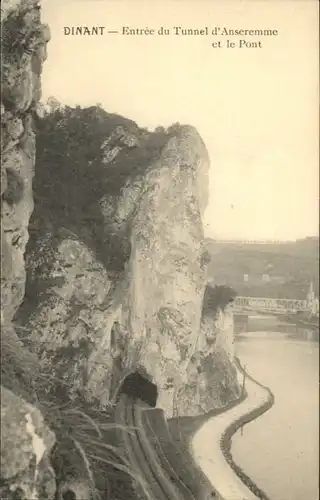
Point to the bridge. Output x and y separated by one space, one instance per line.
310 305
309 319
271 305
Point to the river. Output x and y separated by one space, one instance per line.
280 450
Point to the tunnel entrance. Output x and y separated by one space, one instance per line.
137 385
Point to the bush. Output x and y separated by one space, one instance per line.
72 177
218 297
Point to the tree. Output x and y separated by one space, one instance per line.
205 259
218 297
173 128
159 130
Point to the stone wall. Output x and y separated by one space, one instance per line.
226 439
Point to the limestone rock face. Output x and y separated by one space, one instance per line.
165 278
70 320
23 40
25 446
128 294
25 440
212 375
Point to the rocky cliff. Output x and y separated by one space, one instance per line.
119 280
108 276
116 273
215 356
26 441
23 46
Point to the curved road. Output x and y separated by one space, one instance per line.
206 445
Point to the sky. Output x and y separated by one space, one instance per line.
255 107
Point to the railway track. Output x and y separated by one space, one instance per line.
153 456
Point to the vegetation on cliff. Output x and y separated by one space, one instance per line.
84 154
288 268
217 297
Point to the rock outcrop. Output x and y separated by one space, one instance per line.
217 379
211 374
25 439
116 276
128 295
26 443
23 50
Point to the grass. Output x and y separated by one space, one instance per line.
87 446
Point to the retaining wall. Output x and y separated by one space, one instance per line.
225 441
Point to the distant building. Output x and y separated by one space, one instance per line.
312 300
315 307
310 296
266 278
246 277
252 242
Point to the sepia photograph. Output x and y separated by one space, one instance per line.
159 250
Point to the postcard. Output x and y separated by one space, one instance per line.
160 249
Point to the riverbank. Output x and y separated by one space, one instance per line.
279 450
211 444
